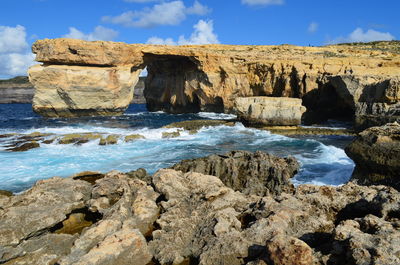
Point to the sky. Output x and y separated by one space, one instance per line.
179 22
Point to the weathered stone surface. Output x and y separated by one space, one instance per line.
198 221
71 90
110 139
133 137
71 221
256 173
260 111
78 138
168 135
376 153
339 81
226 227
289 251
25 146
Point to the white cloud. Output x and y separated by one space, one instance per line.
203 34
198 9
262 2
12 39
15 57
313 27
358 35
99 33
168 13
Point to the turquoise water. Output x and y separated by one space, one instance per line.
322 158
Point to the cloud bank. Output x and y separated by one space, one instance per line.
166 13
359 35
99 33
15 56
203 34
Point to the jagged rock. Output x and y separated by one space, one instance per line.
339 81
194 125
25 146
289 251
78 138
133 137
376 153
71 221
110 139
256 173
168 135
226 227
28 214
261 111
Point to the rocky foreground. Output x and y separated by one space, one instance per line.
81 78
191 218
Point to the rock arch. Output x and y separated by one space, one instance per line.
97 78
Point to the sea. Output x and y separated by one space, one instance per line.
322 158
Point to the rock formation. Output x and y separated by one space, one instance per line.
16 90
343 80
261 111
256 173
191 218
376 153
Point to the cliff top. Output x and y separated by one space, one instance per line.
78 52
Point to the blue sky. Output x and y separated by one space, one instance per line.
258 22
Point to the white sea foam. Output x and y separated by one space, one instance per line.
321 164
216 116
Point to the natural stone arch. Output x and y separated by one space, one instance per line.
97 78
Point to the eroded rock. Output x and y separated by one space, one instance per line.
266 111
376 153
337 81
256 173
102 220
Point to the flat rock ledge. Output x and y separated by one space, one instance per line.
376 153
191 218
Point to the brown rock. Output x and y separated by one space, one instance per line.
256 173
25 146
333 81
289 251
133 137
376 153
109 140
261 111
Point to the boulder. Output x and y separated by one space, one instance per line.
376 153
256 173
260 111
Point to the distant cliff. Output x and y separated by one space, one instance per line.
20 90
16 90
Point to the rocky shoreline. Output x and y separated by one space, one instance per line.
245 211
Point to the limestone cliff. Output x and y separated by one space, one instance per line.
333 81
16 90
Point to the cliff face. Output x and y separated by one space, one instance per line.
16 90
333 81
